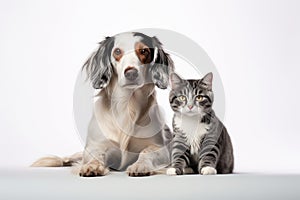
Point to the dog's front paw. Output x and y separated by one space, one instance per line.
93 168
139 169
208 171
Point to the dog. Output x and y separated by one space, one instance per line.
127 130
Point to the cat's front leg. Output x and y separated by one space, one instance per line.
208 159
179 164
180 157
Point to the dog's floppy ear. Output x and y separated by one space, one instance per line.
98 66
162 65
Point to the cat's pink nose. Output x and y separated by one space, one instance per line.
190 107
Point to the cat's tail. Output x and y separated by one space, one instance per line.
55 161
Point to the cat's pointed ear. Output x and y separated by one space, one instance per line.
206 81
176 81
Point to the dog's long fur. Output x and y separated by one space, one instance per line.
127 131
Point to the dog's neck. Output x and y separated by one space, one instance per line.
135 102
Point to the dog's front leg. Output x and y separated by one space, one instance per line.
97 159
151 159
94 167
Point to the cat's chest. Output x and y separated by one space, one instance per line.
192 129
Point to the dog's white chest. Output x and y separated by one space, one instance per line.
193 130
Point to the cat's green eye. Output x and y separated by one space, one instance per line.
181 98
199 98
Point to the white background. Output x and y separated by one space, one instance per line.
253 44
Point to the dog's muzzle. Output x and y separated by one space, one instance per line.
131 73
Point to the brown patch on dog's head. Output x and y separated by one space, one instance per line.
143 52
118 53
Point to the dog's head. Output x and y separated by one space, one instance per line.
135 58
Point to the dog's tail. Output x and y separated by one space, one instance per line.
55 161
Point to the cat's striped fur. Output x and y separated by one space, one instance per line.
201 143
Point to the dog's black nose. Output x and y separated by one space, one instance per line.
131 73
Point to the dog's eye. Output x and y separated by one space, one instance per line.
117 51
143 51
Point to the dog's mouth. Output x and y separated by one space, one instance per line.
132 85
128 84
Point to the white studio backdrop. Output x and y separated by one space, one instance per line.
253 44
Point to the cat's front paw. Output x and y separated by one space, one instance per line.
171 171
208 171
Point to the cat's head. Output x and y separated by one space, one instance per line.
191 97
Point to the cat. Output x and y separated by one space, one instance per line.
201 143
